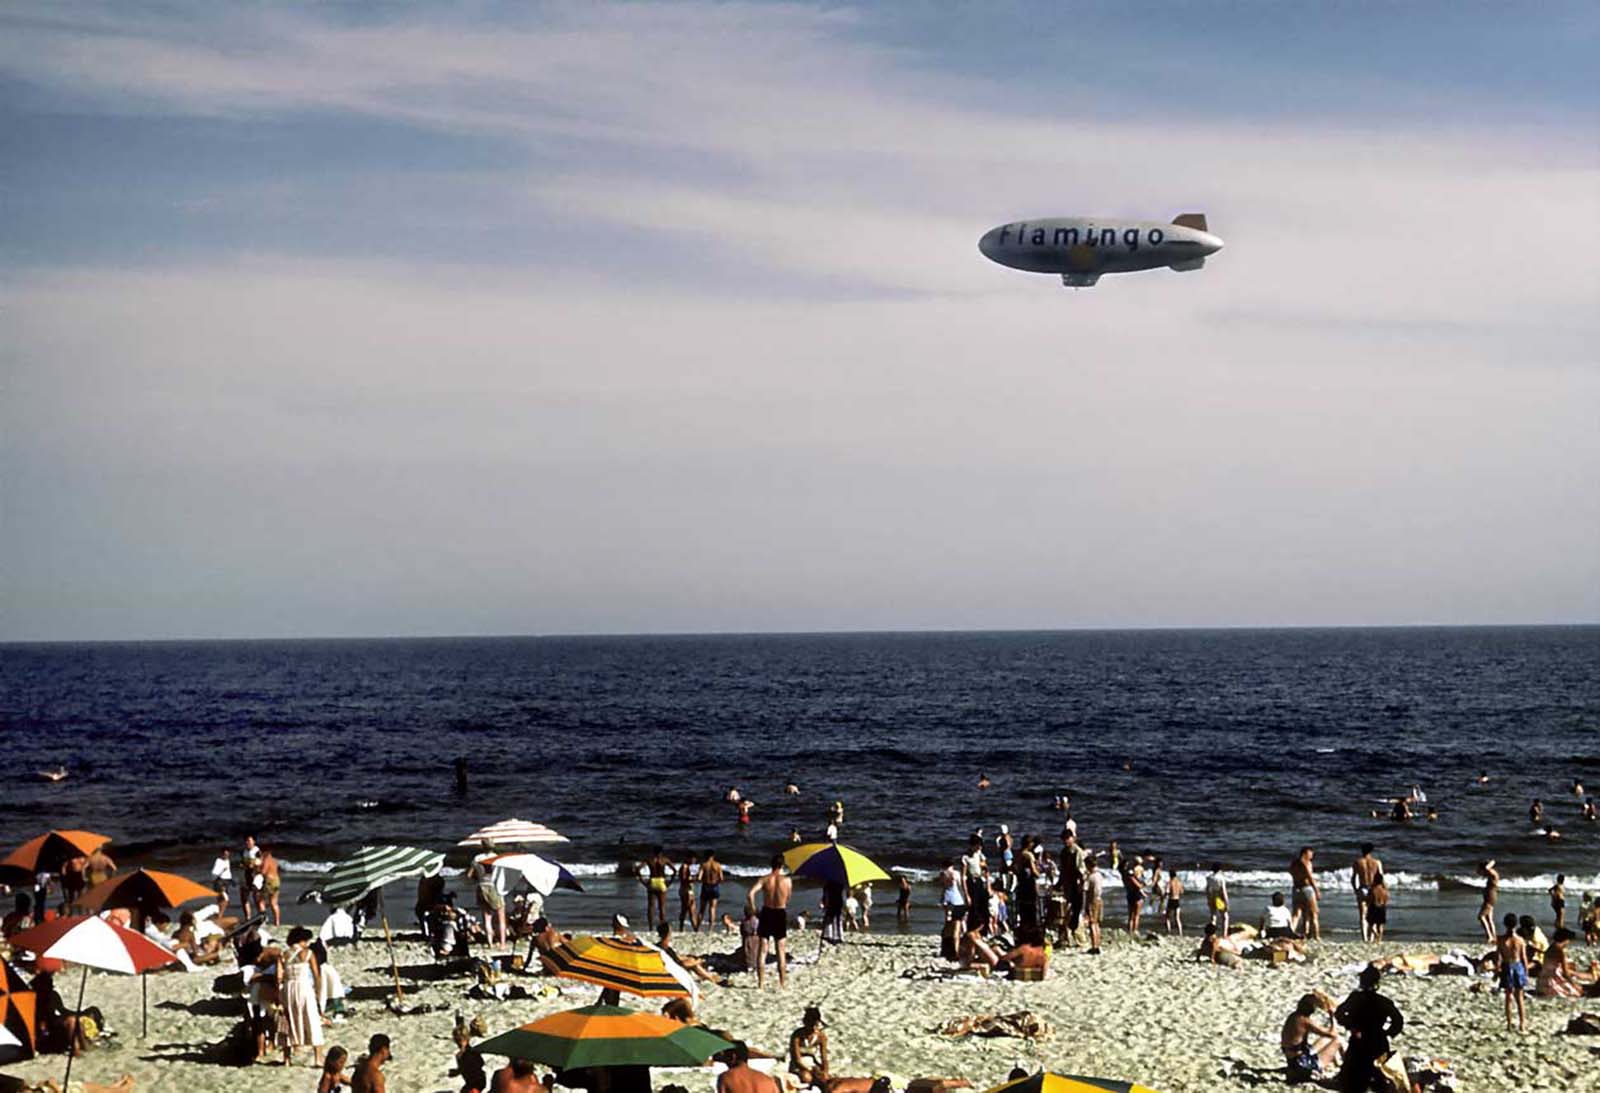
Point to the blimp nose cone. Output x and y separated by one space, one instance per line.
989 245
1209 242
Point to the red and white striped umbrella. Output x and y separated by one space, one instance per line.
94 943
512 833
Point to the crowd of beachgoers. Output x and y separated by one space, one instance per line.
1016 911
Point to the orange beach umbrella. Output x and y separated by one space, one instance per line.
143 890
49 852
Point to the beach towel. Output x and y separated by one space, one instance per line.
1025 1025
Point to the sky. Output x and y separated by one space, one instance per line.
351 320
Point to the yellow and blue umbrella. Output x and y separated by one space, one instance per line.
833 862
1068 1083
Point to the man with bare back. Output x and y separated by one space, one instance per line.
773 921
1363 874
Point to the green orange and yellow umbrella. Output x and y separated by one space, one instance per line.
833 862
1068 1083
601 1036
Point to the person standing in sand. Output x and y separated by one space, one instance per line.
1306 921
710 890
657 870
491 901
1174 903
97 868
1372 1020
1094 903
221 878
1217 899
772 921
1511 958
300 991
1362 873
1558 900
271 882
688 876
1491 891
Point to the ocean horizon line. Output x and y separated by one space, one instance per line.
625 635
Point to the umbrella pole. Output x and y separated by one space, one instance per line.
77 1030
144 1006
394 963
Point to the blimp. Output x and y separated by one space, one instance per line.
1082 249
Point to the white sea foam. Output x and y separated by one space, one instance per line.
305 866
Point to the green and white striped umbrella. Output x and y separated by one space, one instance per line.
373 867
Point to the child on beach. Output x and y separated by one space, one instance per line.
1511 959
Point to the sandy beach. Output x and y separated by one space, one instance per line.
1144 1011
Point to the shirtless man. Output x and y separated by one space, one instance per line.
775 889
1305 922
740 1077
1511 957
517 1076
97 867
1491 891
271 882
710 890
1362 873
368 1077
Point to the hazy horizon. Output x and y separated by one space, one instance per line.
669 318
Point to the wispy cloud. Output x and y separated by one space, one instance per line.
710 316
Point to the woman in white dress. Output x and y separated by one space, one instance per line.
300 980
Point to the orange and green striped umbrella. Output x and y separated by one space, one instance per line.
1068 1083
144 890
607 1036
620 964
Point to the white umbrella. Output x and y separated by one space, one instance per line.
544 875
512 833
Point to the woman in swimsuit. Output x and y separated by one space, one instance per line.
333 1079
1491 891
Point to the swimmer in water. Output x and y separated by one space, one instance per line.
1483 779
1536 812
1590 813
983 781
745 807
795 837
791 790
1577 789
1433 814
1550 834
732 796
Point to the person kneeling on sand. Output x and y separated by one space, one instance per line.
1309 1048
808 1049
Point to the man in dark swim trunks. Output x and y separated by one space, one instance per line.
773 917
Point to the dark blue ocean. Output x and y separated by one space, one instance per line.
1237 745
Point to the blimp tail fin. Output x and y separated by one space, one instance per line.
1196 221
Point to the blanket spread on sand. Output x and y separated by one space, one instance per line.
1026 1025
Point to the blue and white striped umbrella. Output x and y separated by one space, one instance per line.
373 867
